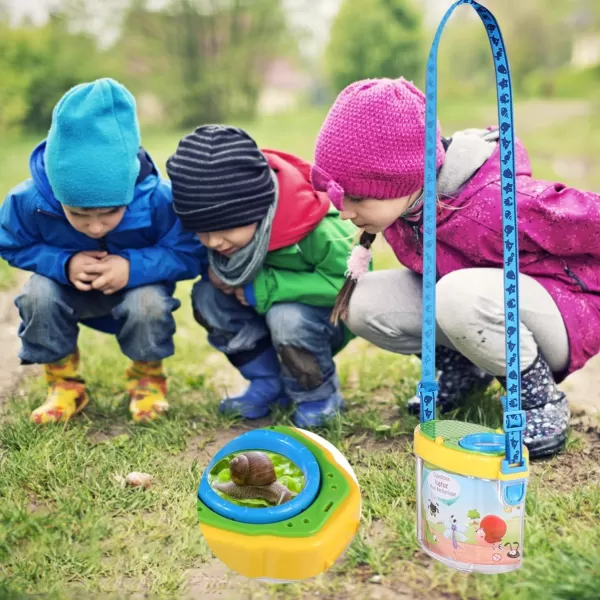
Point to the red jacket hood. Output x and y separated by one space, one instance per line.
299 208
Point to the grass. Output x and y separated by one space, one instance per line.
69 529
7 276
67 525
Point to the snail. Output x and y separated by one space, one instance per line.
253 476
253 468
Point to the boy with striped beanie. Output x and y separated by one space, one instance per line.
277 254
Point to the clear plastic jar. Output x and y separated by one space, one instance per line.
464 522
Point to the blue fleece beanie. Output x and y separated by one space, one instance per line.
91 155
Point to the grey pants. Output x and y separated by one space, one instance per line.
386 310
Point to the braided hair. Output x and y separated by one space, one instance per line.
358 264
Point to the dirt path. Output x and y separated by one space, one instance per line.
538 114
11 372
583 388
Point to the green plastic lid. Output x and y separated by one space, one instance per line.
454 431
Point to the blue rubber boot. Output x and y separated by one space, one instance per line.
265 389
315 414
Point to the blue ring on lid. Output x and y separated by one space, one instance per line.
486 443
269 441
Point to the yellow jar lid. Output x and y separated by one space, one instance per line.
439 443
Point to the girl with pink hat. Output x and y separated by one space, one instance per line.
369 158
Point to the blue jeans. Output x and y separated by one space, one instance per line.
51 313
302 335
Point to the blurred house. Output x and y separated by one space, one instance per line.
150 109
586 50
284 86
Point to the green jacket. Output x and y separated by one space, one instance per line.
310 272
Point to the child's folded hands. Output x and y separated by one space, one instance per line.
238 292
241 296
78 268
218 283
111 273
95 270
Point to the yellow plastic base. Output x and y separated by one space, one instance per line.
292 559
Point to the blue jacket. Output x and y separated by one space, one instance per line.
36 236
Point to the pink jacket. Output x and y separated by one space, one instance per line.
559 243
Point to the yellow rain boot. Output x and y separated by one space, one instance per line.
147 387
66 391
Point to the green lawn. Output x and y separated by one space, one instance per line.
7 276
69 530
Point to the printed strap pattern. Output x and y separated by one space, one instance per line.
514 417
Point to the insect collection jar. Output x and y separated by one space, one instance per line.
472 480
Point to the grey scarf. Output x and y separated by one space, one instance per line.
245 264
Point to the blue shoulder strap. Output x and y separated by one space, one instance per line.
514 417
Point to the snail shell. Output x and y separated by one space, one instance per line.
252 468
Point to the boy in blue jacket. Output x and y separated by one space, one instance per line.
96 226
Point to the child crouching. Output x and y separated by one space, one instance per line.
277 253
95 224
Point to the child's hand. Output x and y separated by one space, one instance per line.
78 268
241 296
220 285
112 274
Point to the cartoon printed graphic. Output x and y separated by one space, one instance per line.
513 553
463 519
429 534
455 532
491 530
474 515
434 509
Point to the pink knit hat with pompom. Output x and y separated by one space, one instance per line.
372 144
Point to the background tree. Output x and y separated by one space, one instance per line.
205 59
375 38
539 38
39 64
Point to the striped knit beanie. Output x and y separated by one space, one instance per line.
220 180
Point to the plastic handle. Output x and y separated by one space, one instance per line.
427 388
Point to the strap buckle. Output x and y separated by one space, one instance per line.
427 392
514 425
514 420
